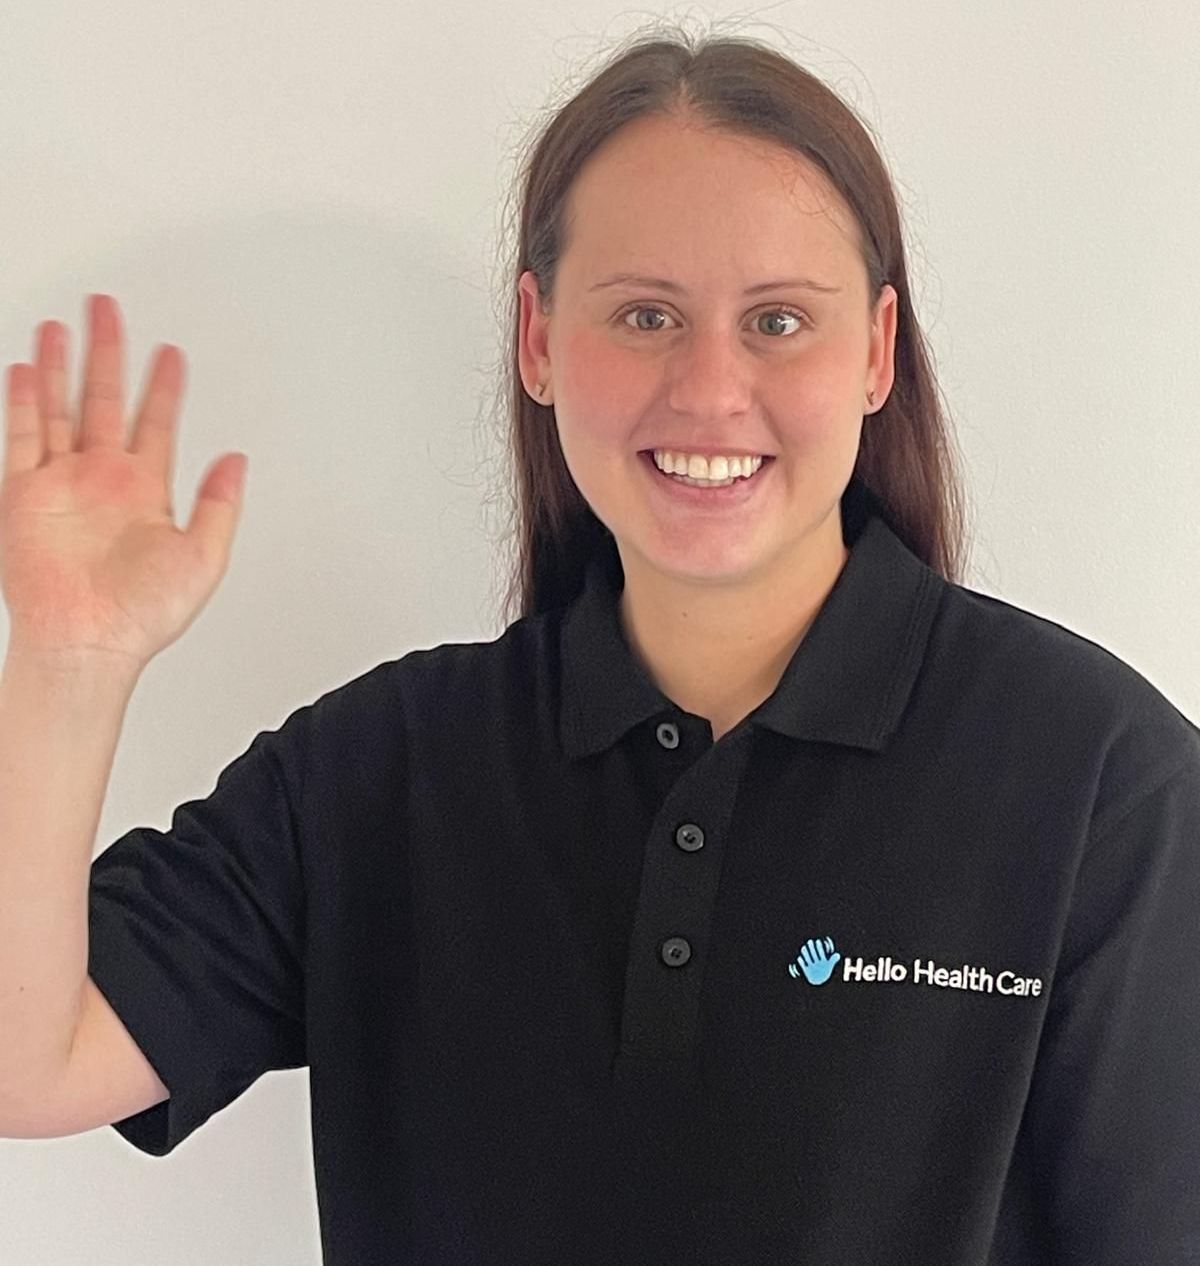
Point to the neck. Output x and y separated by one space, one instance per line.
719 651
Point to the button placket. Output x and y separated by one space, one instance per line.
676 950
661 1010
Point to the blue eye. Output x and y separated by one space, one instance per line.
642 307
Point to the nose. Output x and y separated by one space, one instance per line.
711 374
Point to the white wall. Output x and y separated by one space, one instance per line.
307 200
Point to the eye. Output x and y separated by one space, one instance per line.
641 307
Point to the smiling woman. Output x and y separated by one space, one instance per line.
709 262
595 937
669 328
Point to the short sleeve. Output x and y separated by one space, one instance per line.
195 937
1108 1152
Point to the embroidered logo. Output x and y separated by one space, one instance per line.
818 958
817 961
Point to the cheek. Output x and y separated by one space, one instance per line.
599 395
594 368
817 394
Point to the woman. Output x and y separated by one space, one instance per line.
761 894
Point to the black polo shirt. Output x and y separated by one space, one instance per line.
905 968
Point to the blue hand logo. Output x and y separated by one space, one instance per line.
818 962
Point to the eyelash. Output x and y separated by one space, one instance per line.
649 307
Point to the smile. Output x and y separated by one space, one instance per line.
725 495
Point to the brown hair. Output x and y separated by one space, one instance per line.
905 463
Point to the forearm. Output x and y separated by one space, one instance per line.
60 719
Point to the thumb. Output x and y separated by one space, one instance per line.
218 507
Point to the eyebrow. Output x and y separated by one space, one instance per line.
633 279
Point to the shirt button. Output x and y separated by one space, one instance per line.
676 951
668 734
689 837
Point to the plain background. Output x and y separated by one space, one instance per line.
309 200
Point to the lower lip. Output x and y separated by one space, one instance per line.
734 494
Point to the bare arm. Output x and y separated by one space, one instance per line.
60 718
98 580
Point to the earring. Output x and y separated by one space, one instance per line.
871 397
541 387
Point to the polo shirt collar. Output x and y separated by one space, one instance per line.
848 681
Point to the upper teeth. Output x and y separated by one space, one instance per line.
697 467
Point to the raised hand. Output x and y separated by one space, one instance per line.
91 561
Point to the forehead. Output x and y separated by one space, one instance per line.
664 194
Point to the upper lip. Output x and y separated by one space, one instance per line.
708 450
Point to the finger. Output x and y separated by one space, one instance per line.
103 410
156 425
51 362
217 511
22 422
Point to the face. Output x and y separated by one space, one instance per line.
638 366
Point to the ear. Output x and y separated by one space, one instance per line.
533 344
881 364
